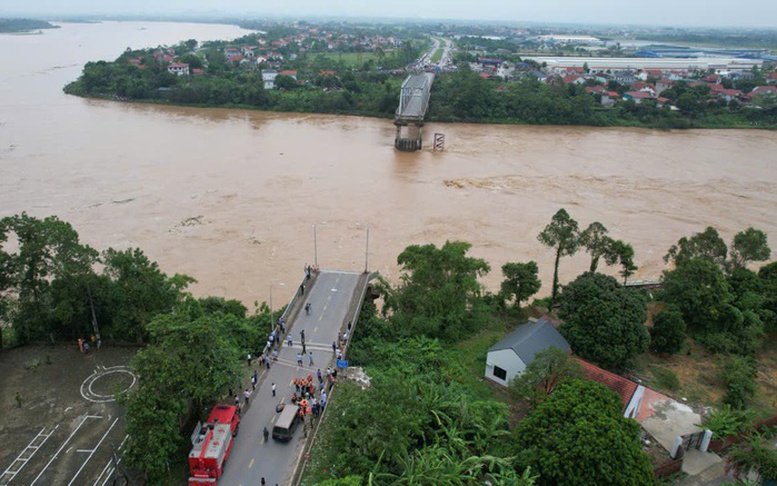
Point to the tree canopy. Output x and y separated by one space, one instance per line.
603 321
550 368
562 235
438 291
578 436
520 281
749 245
707 245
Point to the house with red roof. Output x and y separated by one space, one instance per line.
573 79
763 90
638 96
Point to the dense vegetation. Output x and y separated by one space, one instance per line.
50 290
326 83
24 25
425 419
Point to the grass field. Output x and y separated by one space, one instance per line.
437 56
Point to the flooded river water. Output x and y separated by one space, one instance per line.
230 197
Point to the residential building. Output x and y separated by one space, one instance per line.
509 357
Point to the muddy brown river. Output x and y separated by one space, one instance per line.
230 197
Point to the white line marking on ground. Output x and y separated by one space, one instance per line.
27 459
86 417
92 453
108 465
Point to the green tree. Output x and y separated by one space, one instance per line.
562 235
668 332
595 240
707 245
739 375
520 281
438 290
603 321
285 82
189 363
756 455
578 436
139 291
749 246
46 250
699 289
549 368
625 256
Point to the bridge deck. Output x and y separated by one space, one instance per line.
414 98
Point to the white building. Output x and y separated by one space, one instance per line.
509 357
268 76
178 68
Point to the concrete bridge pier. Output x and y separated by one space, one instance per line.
409 137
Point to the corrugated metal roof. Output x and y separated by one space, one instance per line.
531 338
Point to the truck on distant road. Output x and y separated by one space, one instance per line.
211 445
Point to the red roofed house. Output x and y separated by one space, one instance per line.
763 90
289 73
178 68
573 79
630 392
637 96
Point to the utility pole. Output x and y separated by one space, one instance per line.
94 318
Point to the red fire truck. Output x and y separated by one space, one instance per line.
211 445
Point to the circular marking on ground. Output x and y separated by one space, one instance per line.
88 392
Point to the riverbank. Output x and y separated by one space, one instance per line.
456 97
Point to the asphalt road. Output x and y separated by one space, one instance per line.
251 458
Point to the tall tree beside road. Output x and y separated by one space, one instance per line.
520 281
192 359
578 436
562 235
603 321
749 245
438 290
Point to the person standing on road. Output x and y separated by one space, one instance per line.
267 361
307 308
320 376
289 341
273 389
299 359
249 359
334 347
247 395
302 334
253 382
311 358
266 434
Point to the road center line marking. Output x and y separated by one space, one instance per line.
251 464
